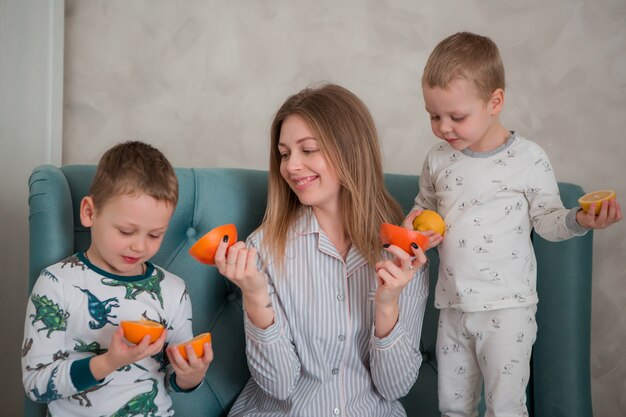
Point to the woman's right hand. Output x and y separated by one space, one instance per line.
238 264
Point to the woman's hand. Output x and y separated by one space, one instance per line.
238 264
393 276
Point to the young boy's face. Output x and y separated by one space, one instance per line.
459 116
125 232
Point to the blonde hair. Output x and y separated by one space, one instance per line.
465 56
134 167
346 134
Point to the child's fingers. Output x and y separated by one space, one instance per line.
207 358
407 223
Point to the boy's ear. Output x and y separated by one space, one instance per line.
87 211
496 102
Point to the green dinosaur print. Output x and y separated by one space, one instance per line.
150 285
46 273
93 347
49 313
81 397
100 311
51 393
73 261
59 355
141 404
28 343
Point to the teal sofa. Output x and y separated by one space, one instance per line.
209 197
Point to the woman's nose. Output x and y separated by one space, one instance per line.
294 162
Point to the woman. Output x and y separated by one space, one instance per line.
332 319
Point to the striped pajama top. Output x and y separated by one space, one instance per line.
320 357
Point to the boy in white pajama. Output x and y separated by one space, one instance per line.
492 187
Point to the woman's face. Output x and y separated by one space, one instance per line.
304 167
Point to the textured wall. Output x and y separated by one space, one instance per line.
202 79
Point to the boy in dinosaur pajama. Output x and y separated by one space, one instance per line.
75 357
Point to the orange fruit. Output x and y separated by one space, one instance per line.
197 343
402 238
595 197
429 220
204 249
135 330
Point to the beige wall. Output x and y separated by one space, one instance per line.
31 81
201 80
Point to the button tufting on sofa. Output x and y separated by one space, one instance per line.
211 197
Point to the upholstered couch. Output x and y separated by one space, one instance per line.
559 384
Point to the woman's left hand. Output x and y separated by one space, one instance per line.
393 275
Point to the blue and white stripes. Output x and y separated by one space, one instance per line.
321 357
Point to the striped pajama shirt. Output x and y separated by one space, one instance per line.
320 357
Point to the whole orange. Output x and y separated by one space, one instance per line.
204 249
197 343
429 220
135 330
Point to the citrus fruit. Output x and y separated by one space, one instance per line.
429 220
135 330
197 343
402 238
204 249
595 197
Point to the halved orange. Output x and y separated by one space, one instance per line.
197 343
429 220
135 330
402 238
204 249
595 197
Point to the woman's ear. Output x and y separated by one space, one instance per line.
496 101
87 211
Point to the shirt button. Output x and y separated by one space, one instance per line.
335 371
336 411
341 338
340 296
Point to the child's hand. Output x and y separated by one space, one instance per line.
190 373
120 353
434 238
610 212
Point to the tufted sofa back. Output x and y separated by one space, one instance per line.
211 197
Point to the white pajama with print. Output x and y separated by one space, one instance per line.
490 202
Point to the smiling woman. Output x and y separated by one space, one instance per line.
326 202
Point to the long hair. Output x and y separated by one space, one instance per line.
346 134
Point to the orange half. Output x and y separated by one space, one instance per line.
197 343
135 330
204 249
595 197
402 238
429 220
